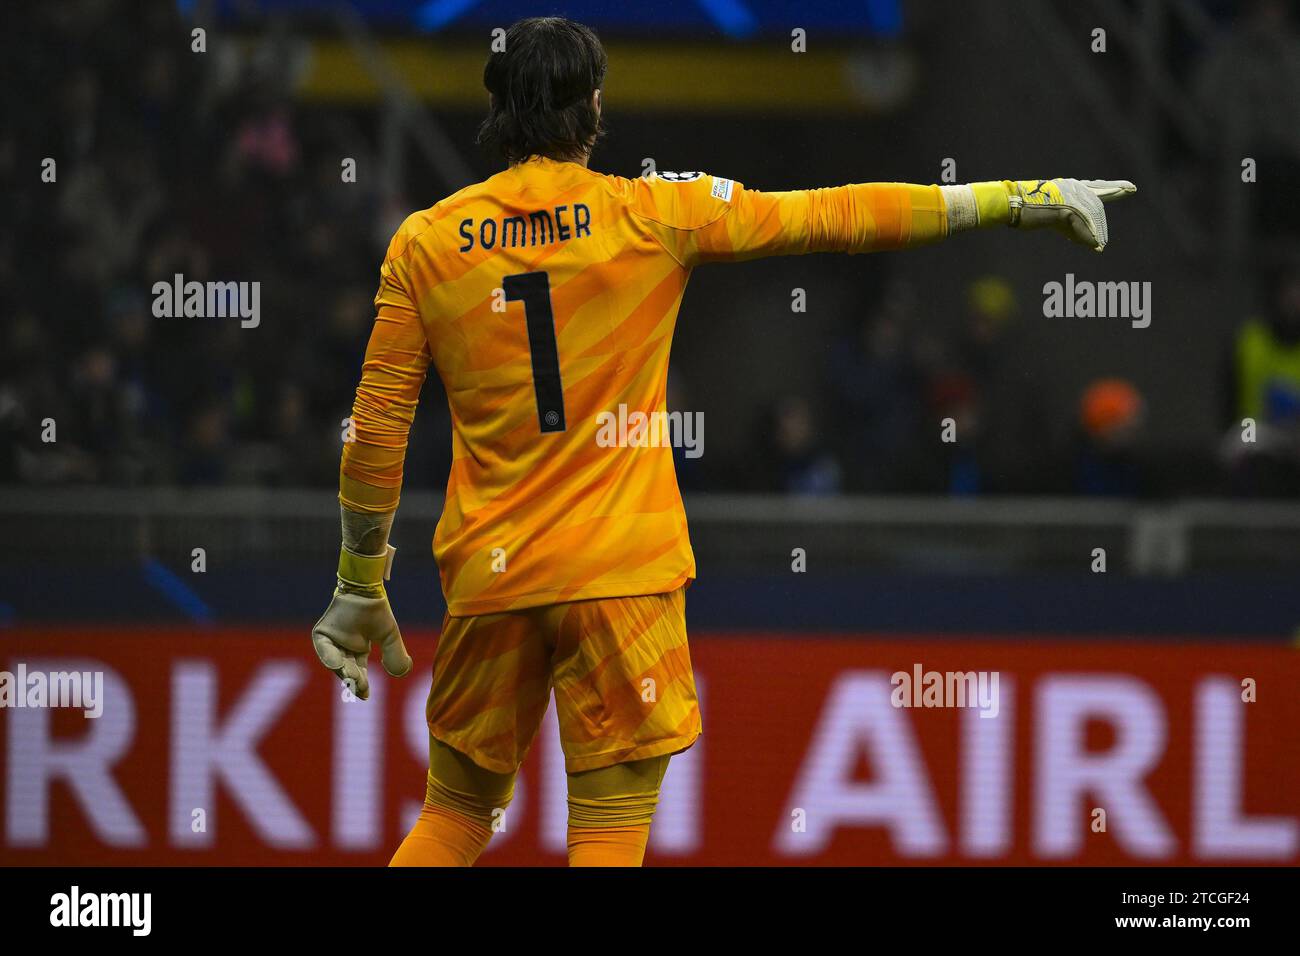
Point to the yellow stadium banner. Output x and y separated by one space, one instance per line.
676 76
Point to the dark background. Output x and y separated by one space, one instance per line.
1073 433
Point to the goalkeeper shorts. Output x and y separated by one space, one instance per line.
620 668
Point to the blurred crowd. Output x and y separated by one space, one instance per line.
172 163
949 414
169 163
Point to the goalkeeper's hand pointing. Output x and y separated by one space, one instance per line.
1073 207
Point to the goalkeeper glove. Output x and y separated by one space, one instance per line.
358 616
1073 207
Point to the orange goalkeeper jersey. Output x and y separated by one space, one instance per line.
544 297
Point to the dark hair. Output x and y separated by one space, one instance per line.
541 87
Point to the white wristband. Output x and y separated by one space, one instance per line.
963 213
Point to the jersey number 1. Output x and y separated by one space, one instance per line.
533 289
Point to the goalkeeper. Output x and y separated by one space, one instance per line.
565 562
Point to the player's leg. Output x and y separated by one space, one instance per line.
461 802
625 697
491 685
610 810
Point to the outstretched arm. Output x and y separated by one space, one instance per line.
729 222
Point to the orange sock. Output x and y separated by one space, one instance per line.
461 802
608 846
442 837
